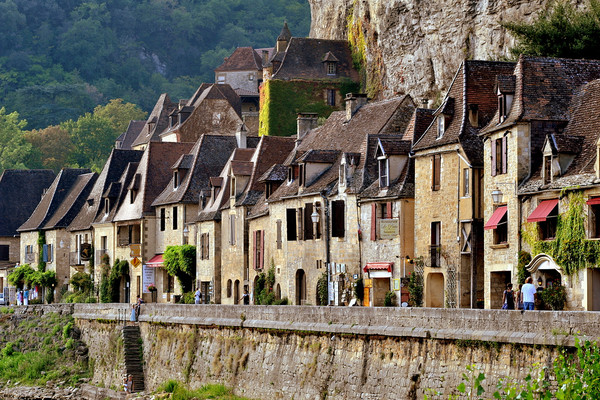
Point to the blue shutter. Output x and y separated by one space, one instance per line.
45 253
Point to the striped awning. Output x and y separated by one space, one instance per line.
379 266
156 261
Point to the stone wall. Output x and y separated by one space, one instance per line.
345 353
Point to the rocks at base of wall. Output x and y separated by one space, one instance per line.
38 393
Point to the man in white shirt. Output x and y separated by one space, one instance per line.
528 292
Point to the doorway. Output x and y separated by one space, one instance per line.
498 281
300 287
434 296
236 292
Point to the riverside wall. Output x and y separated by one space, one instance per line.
306 352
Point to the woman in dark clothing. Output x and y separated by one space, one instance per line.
508 298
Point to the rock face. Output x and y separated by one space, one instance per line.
416 46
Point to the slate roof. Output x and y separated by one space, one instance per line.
116 193
126 139
277 173
544 88
418 124
155 170
206 159
285 33
242 59
473 84
107 183
580 137
73 202
303 59
52 201
159 117
20 193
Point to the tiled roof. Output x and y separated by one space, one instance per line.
73 202
159 117
53 199
184 162
418 124
319 156
394 146
285 33
505 83
107 182
241 168
242 59
303 60
216 181
20 193
277 173
133 131
473 85
566 143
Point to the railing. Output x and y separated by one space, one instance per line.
435 255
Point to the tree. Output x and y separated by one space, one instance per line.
93 137
14 150
560 31
180 262
120 114
51 147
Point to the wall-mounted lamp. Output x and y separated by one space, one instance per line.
186 231
315 217
540 281
497 196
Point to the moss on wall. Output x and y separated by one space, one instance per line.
281 101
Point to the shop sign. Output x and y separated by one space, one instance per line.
388 228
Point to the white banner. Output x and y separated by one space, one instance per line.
147 277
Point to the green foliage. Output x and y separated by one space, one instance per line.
82 282
359 289
180 392
390 299
20 275
263 288
14 150
415 287
187 298
111 280
323 290
562 30
281 101
66 332
41 242
522 273
180 261
8 350
554 297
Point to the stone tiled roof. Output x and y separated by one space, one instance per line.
505 83
303 60
277 173
473 84
107 183
580 138
53 199
395 146
544 88
20 193
319 156
285 33
133 131
73 202
418 124
242 59
159 117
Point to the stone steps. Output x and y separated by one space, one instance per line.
133 356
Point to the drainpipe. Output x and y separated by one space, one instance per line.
327 245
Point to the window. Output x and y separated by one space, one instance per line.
175 179
134 234
384 175
435 243
175 218
331 70
466 182
331 97
47 255
132 195
204 246
258 249
308 224
268 189
465 237
232 187
436 169
106 206
547 169
594 204
229 285
499 152
232 230
504 104
547 228
441 122
4 256
499 223
278 234
103 243
221 79
250 77
301 175
291 227
338 221
163 219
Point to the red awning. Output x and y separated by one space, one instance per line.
593 201
496 217
383 266
156 261
543 209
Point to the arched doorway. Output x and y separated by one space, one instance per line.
125 289
278 292
300 287
435 290
236 292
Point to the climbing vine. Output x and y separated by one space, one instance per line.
570 249
41 242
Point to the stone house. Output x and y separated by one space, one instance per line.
20 193
448 181
125 139
44 236
157 122
128 209
307 74
213 109
540 141
319 205
179 201
243 69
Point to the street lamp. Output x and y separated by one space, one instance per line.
497 196
406 260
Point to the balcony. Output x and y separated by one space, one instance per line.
435 251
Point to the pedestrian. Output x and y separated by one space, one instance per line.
133 313
138 307
26 297
130 384
508 298
197 296
519 297
19 298
245 298
125 383
528 293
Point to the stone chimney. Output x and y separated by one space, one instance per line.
306 122
265 57
354 101
241 135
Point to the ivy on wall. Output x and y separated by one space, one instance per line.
570 249
281 101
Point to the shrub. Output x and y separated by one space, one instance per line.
554 297
67 330
359 289
390 299
415 289
187 298
323 290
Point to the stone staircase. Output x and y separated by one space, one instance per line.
133 356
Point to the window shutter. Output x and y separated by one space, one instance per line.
300 224
436 169
262 248
494 172
504 154
207 245
45 253
373 221
389 210
279 234
254 255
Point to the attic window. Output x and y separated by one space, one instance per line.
331 68
175 179
384 172
232 186
221 79
504 104
302 175
441 125
132 195
106 206
547 169
268 189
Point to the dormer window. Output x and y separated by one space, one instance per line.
331 68
106 206
175 179
151 126
547 169
232 187
268 189
504 104
301 175
441 125
292 173
132 195
384 172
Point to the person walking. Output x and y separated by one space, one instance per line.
528 293
508 298
133 313
197 296
245 298
519 297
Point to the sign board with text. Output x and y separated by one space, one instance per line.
388 228
147 277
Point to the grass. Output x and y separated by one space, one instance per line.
215 392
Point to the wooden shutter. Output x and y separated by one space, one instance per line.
279 234
494 172
436 169
388 206
373 221
254 255
207 246
504 154
262 248
300 216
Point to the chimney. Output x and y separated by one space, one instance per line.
265 57
306 122
241 135
354 101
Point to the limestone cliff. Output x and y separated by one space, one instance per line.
415 46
